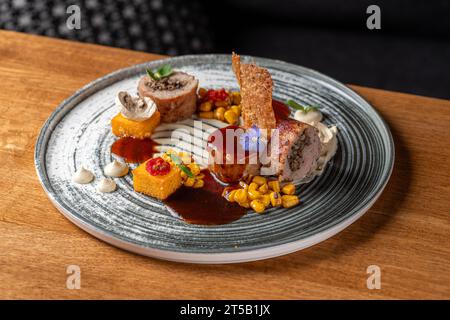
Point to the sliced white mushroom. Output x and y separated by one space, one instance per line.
135 108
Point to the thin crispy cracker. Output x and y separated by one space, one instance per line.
236 65
256 92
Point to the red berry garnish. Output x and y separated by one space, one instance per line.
157 167
216 95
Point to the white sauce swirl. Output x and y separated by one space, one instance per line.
82 176
116 169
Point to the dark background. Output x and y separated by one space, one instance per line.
411 52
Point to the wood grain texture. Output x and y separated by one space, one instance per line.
406 232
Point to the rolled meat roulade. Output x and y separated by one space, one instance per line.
175 95
295 149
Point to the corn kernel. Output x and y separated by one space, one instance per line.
202 92
166 157
245 204
252 195
229 99
199 184
259 180
264 188
230 116
225 193
236 109
221 104
258 206
206 115
168 153
288 189
187 159
189 182
252 186
275 199
219 113
231 196
240 195
243 185
248 178
200 176
205 106
274 185
289 201
195 169
265 199
183 174
236 97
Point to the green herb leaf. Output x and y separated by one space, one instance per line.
186 170
293 104
152 75
165 70
297 106
162 72
176 159
310 108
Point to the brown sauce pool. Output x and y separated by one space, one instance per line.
281 110
134 150
205 205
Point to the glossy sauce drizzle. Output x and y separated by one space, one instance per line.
134 150
205 205
281 110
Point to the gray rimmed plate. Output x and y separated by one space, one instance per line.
78 132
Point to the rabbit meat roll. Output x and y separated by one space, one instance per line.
297 152
175 96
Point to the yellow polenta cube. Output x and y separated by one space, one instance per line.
158 186
123 127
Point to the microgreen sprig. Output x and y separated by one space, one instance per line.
297 106
162 72
176 159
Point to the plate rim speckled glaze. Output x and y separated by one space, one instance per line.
202 257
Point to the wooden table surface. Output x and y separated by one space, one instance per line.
406 233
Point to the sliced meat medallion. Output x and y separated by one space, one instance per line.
175 95
297 152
